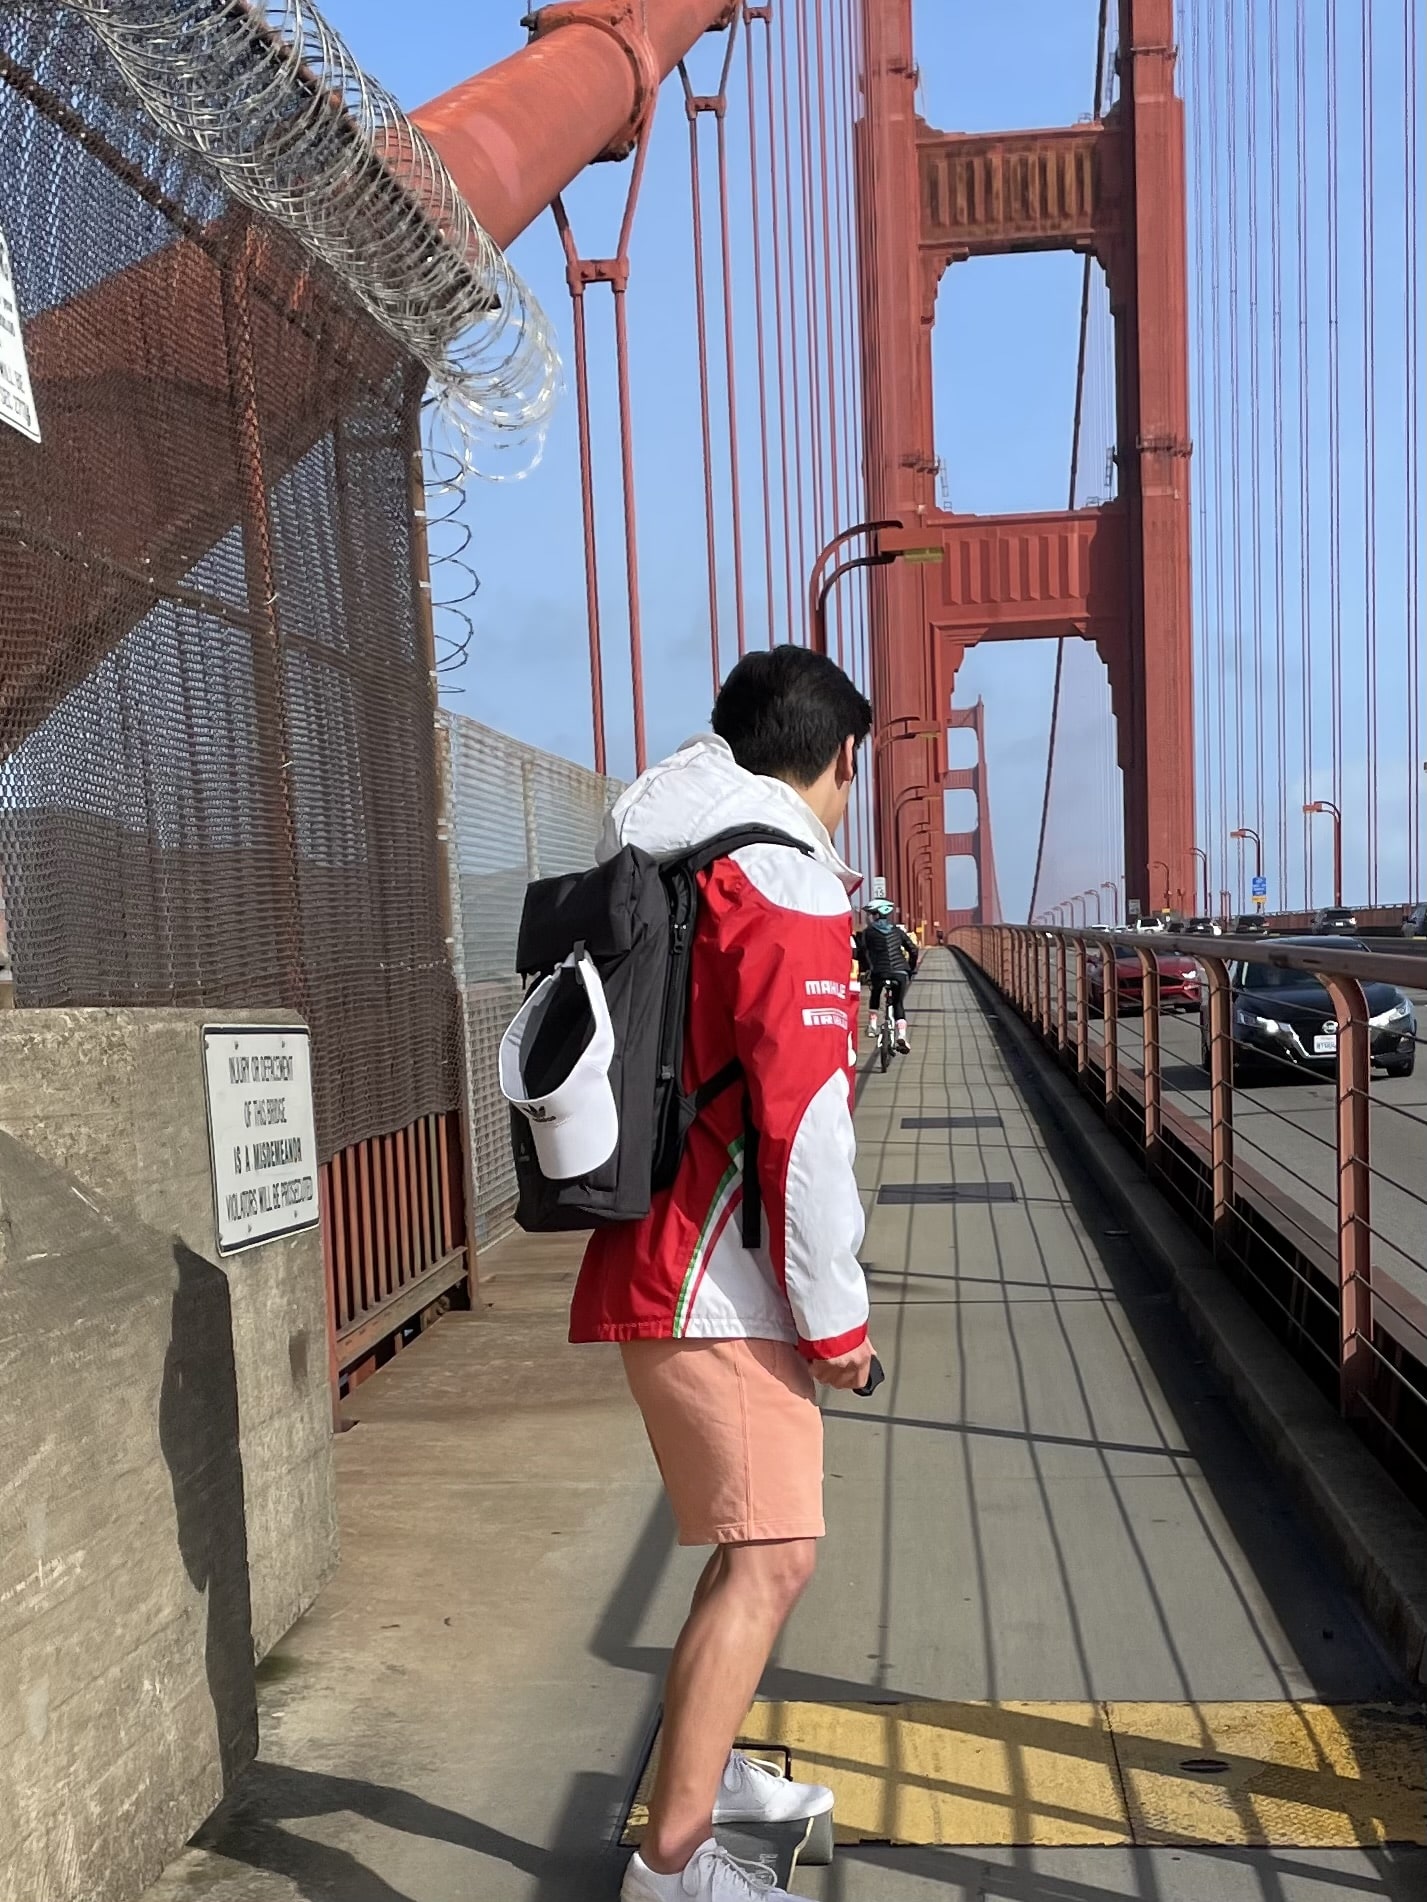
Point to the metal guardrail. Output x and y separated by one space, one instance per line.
1348 1298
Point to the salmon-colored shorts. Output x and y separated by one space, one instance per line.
736 1431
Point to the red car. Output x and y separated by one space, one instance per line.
1179 987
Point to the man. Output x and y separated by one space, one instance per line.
722 1343
889 957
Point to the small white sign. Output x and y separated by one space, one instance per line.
879 888
261 1133
17 399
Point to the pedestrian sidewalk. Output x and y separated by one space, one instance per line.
1059 1585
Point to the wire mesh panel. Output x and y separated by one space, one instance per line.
514 814
217 773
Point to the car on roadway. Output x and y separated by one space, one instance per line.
1249 924
1414 922
1283 1018
1335 918
1204 928
1179 981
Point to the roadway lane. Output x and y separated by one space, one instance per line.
1284 1129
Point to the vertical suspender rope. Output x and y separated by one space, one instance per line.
1305 420
1280 575
1255 485
825 298
762 14
792 586
1335 406
1216 383
1412 392
800 539
1085 281
1232 102
693 107
1370 450
819 530
575 277
720 112
614 271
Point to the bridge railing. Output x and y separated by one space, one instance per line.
1313 1199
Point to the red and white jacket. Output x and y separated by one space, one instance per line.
769 984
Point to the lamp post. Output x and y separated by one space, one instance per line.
1203 857
818 590
1111 885
1247 832
1099 913
1161 866
1326 805
874 560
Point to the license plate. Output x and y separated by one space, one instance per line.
1325 1046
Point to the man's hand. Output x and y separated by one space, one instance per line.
848 1371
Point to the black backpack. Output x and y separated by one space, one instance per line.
634 916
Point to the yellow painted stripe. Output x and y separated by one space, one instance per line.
1232 1774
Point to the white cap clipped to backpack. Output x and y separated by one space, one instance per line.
554 1069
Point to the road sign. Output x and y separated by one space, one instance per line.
879 888
1260 888
1132 908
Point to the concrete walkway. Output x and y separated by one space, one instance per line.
1049 1504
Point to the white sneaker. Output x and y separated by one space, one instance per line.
711 1876
752 1792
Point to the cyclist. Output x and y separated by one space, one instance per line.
889 957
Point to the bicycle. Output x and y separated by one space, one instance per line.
886 1031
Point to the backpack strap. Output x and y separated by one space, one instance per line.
723 845
752 1211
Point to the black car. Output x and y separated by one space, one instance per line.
1284 1018
1335 918
1249 924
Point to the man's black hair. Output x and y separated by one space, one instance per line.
785 713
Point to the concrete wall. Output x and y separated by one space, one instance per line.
166 1504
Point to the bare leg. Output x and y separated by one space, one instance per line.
740 1606
707 1578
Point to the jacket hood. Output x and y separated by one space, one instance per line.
701 791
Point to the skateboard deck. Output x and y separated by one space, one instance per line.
777 1846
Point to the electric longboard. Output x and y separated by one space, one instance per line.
779 1846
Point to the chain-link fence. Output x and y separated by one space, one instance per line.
217 775
514 814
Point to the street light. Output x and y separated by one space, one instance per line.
817 592
1199 853
821 586
1247 832
1112 886
1160 865
1326 805
1099 914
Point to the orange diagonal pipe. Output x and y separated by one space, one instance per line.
514 136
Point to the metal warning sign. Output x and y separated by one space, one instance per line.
261 1133
17 399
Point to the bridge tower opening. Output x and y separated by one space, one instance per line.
1119 574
